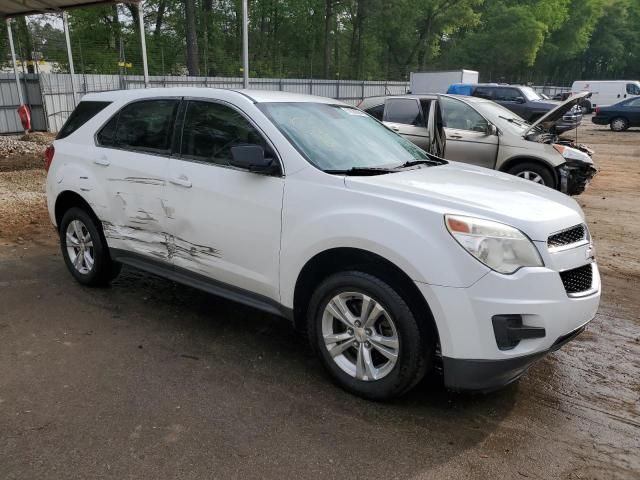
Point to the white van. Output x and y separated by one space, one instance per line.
606 92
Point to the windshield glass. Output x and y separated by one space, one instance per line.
504 118
530 93
337 137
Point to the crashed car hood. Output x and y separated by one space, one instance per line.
557 113
463 189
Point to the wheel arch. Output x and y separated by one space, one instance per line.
68 199
340 259
513 161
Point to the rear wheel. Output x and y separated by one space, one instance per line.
619 124
534 172
84 250
367 336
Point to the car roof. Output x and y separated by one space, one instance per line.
257 96
370 101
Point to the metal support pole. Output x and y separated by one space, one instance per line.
143 44
245 44
13 58
15 64
65 24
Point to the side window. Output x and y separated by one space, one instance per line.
507 94
143 125
403 110
211 129
376 112
484 92
633 103
633 89
84 112
459 115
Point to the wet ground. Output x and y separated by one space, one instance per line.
149 379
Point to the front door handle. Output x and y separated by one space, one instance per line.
102 161
455 136
182 181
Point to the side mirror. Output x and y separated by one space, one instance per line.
520 100
492 129
252 158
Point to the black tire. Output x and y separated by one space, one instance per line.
414 351
619 124
545 173
103 269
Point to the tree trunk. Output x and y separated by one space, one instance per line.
193 62
160 17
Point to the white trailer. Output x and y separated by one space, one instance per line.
438 82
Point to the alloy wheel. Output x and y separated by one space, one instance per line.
533 176
618 125
80 247
360 336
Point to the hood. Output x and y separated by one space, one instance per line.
463 189
553 116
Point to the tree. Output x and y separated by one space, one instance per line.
193 61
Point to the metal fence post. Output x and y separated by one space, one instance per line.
143 44
15 64
65 24
245 44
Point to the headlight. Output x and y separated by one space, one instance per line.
500 247
569 153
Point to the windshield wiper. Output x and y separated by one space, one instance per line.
432 161
363 171
514 120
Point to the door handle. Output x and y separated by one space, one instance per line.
455 136
102 161
395 129
182 181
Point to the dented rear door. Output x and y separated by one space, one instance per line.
131 156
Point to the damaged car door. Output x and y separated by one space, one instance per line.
224 220
131 157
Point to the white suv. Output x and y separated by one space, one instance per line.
391 260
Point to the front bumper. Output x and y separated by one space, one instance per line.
575 176
472 358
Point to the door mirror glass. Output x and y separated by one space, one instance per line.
252 158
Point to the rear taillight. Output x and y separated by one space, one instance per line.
48 156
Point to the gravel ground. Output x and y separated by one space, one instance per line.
149 379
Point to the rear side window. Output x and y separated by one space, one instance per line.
507 94
145 125
484 92
403 110
211 129
376 112
84 112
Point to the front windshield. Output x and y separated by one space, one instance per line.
530 93
337 137
504 118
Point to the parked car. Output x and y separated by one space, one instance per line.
606 92
390 259
523 101
483 133
620 116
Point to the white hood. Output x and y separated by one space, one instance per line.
464 189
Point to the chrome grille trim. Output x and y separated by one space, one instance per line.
571 237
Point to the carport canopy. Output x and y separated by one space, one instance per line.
12 8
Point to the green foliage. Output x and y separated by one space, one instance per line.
506 40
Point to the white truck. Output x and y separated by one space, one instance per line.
438 82
606 92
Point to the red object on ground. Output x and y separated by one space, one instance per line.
48 156
25 116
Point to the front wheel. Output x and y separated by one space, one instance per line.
367 336
534 172
84 250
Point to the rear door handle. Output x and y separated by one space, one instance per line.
102 161
182 181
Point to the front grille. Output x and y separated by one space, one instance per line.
577 280
567 237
